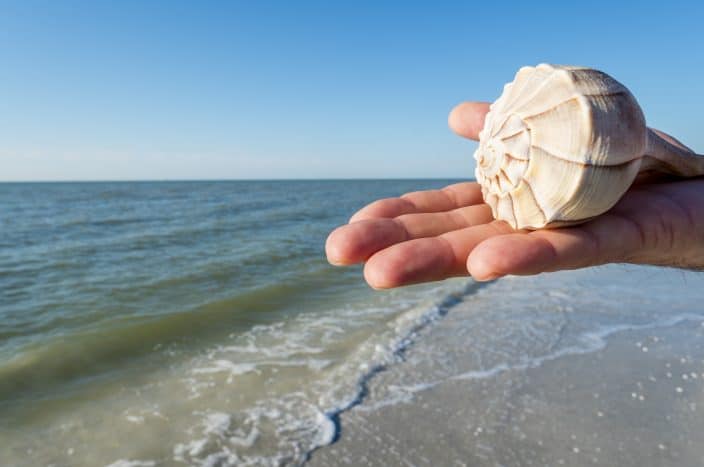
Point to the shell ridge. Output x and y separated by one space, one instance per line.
605 94
493 132
545 91
524 99
535 200
519 85
544 112
514 224
582 164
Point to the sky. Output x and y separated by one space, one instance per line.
168 90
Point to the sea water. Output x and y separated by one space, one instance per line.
198 323
192 323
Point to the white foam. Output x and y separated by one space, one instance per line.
217 423
326 429
372 357
192 448
285 426
226 366
591 341
588 342
246 441
398 394
131 463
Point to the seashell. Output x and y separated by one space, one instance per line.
562 144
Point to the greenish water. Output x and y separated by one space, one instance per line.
191 323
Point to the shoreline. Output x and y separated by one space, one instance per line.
591 394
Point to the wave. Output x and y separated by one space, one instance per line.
407 332
44 367
294 421
587 342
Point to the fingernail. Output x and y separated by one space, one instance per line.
487 277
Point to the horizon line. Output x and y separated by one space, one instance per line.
176 180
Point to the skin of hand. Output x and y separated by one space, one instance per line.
432 235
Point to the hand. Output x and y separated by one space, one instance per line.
432 235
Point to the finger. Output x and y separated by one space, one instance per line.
451 197
602 240
438 223
467 119
639 229
428 259
356 242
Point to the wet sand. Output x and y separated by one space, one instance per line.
614 381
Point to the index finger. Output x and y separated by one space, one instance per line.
451 197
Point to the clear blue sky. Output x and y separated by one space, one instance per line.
191 90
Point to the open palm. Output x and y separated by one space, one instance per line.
432 235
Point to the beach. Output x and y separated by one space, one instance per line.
198 323
582 385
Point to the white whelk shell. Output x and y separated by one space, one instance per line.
562 144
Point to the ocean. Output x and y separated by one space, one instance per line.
199 323
189 322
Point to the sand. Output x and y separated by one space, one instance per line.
616 379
